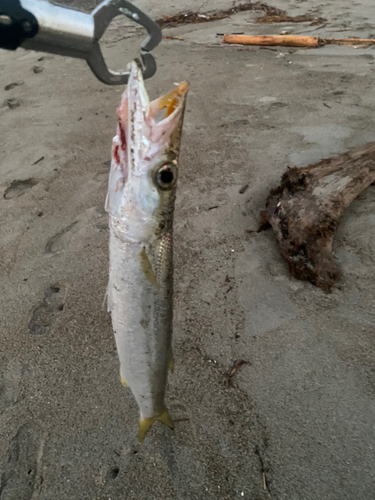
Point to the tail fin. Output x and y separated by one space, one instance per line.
145 424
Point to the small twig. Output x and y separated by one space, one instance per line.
244 189
233 33
235 368
264 478
174 38
267 48
211 208
326 105
37 161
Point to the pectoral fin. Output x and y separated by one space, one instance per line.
147 268
171 365
123 381
145 424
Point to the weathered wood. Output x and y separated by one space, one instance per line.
304 211
294 40
286 40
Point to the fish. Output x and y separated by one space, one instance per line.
140 203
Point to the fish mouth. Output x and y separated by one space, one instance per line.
159 111
167 105
171 103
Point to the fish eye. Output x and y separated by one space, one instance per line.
166 176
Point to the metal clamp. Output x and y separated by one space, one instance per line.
103 15
72 33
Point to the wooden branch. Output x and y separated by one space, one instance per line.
288 40
294 40
304 211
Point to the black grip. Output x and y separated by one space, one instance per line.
16 24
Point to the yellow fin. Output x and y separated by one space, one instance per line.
145 424
147 268
171 365
123 381
165 419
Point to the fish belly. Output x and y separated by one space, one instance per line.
141 324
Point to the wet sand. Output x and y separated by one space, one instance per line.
297 421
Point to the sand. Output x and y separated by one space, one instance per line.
297 421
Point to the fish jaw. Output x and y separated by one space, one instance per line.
145 141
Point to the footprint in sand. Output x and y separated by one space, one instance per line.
113 472
18 188
18 478
12 103
10 385
60 240
46 314
79 233
11 86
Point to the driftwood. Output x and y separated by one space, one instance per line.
294 40
304 211
197 17
284 18
286 40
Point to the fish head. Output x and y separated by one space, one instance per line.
144 168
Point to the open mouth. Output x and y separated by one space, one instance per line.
161 110
165 106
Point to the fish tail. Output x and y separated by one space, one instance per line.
145 424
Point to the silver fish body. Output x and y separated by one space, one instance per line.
140 203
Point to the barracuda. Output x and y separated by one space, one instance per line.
140 203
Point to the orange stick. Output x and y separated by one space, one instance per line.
288 40
294 40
